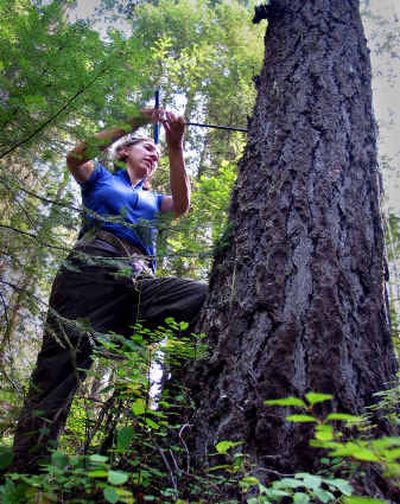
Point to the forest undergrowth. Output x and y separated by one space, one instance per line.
127 439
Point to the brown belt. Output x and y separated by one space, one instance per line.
127 249
122 245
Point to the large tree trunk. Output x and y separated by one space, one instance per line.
297 295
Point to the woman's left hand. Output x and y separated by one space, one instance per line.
174 126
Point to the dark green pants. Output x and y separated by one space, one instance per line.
92 293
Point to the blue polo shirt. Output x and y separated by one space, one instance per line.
115 206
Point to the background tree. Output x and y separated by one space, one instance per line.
297 294
203 58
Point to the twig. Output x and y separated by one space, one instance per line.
217 126
277 473
17 288
33 237
3 302
167 465
49 201
184 426
100 417
178 469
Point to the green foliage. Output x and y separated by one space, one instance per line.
301 488
5 457
68 477
12 493
301 418
286 401
362 500
52 68
352 444
208 53
224 446
188 244
127 420
313 398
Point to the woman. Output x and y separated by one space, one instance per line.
92 294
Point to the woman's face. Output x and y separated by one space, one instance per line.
142 158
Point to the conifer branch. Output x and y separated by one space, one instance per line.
52 118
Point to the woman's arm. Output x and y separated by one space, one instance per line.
179 201
79 159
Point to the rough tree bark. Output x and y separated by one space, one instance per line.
297 294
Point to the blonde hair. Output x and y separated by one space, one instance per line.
121 158
118 156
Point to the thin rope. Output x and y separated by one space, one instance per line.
217 126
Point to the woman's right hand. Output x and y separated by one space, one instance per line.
174 126
173 123
153 115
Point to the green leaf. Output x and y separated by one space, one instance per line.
341 484
339 449
301 418
117 477
344 417
359 451
391 454
324 496
151 423
13 493
315 398
34 100
171 322
59 459
275 493
110 495
98 473
312 481
287 483
386 442
74 460
365 454
301 498
124 437
286 401
249 481
139 406
218 467
224 446
98 459
355 499
324 432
